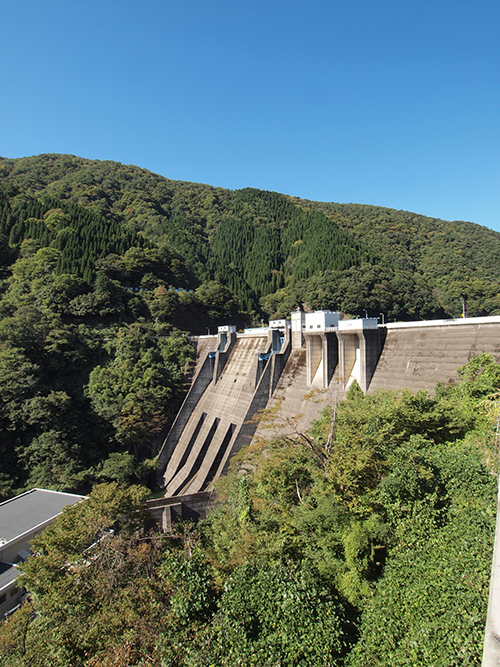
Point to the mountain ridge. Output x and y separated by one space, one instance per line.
276 251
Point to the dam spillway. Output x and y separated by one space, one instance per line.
200 452
303 364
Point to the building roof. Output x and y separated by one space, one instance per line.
24 513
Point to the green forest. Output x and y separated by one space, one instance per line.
366 541
105 269
272 251
322 546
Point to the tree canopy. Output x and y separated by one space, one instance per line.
366 541
345 257
317 549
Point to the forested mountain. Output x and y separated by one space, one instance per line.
272 251
105 267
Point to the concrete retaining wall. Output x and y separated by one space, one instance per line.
203 376
215 420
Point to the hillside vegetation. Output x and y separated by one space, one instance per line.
272 251
366 541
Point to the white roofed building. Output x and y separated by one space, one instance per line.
21 519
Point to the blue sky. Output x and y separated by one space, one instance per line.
387 103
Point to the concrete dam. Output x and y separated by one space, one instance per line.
303 363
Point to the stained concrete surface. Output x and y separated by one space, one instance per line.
491 651
216 411
420 357
225 404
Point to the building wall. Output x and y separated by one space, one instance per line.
22 518
9 599
321 319
9 553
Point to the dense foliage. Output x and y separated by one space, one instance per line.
102 266
272 251
86 384
366 541
457 260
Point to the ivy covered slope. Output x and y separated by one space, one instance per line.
272 251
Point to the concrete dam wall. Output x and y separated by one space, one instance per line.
424 353
303 365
